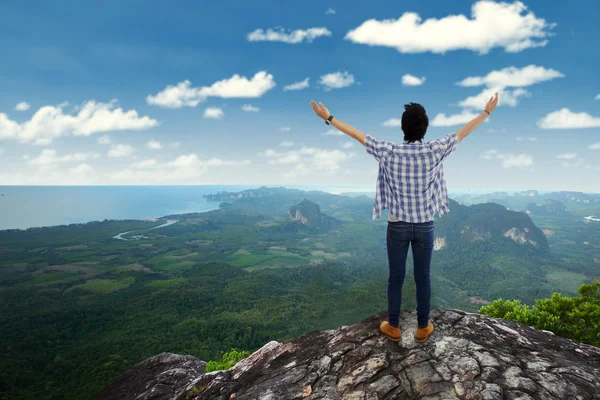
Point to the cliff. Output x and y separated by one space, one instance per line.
469 356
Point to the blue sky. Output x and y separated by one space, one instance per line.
201 93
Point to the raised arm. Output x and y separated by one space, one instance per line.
349 130
472 125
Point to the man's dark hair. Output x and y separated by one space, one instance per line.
414 122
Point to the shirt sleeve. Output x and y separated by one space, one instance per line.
377 148
444 146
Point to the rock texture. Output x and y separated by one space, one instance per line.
468 357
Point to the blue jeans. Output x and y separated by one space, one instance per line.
401 235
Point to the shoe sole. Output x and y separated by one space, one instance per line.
392 338
423 340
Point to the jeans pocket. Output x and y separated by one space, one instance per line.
427 237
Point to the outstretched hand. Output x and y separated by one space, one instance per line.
320 109
491 105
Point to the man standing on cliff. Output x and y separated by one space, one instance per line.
411 185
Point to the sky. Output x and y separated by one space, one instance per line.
152 93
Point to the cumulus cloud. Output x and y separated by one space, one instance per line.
22 106
500 80
184 169
567 119
451 120
597 97
515 160
504 25
184 95
214 113
509 160
334 132
411 80
330 11
154 145
51 122
145 163
594 146
286 144
279 34
50 156
337 80
250 108
347 145
309 159
120 150
567 156
513 77
297 85
392 122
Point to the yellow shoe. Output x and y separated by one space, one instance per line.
422 334
392 333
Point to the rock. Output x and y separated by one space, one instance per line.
469 356
157 378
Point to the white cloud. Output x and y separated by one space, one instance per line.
509 160
22 106
392 122
597 97
184 169
145 163
337 80
120 150
285 128
250 108
347 145
51 122
334 132
504 25
451 120
279 34
297 85
286 144
530 138
411 80
309 159
516 160
566 119
214 113
42 141
330 11
175 145
489 154
154 145
50 156
594 146
512 77
104 140
505 97
567 156
52 174
183 95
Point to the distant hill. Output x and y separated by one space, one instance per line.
550 208
308 214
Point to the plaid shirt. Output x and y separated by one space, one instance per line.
410 182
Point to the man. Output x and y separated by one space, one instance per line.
411 185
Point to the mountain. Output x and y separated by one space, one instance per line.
469 356
550 208
308 214
490 222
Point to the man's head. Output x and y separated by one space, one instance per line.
414 122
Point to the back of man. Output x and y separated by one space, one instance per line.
411 185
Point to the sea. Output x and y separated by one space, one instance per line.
23 207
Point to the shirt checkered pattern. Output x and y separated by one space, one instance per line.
410 181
